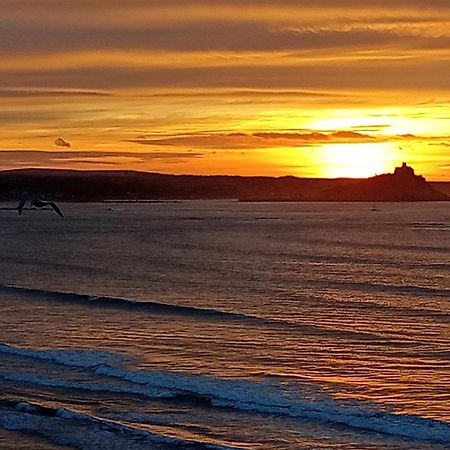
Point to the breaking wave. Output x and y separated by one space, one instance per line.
264 397
89 431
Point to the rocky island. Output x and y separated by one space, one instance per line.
401 186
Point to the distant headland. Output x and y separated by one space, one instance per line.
401 186
92 186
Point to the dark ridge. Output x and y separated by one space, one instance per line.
122 185
441 186
92 186
401 186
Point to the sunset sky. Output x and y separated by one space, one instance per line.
249 87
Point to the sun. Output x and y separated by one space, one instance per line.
357 160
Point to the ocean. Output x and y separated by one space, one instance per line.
225 325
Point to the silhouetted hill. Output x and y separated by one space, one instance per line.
82 186
72 185
401 186
441 186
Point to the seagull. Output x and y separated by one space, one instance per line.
38 203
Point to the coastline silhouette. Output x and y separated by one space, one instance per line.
117 185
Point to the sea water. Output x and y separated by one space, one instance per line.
219 324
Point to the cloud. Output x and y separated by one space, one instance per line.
258 140
274 45
223 35
60 142
417 74
28 93
315 136
41 158
101 71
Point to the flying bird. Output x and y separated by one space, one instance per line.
38 203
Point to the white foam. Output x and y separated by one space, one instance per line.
275 398
40 380
72 358
269 397
26 407
94 433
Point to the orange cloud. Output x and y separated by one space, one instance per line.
260 140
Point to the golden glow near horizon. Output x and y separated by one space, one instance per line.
358 160
226 87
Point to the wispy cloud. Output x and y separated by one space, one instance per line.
29 93
220 75
37 158
270 139
60 142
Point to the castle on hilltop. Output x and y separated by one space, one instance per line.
401 186
404 170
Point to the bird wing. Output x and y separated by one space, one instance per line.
56 209
20 206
